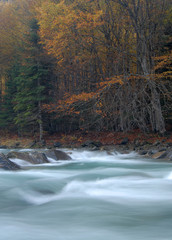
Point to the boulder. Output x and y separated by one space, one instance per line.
136 143
38 158
57 144
32 144
32 157
159 155
146 147
151 152
91 144
20 155
6 164
145 143
142 152
163 149
57 155
169 155
169 144
156 143
121 149
124 141
3 146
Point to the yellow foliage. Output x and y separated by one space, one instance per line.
111 81
66 30
163 61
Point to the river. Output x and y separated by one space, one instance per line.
96 196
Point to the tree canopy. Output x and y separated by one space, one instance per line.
99 64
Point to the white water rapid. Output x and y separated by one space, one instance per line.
95 196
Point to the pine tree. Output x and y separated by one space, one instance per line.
7 113
31 81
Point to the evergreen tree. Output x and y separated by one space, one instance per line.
7 113
31 84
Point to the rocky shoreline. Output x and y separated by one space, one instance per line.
160 150
32 157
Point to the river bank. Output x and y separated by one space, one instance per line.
148 145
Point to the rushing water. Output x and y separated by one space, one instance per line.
96 196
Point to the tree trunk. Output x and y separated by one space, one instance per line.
40 122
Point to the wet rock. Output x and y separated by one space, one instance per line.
107 148
146 147
3 146
142 152
156 143
20 155
152 152
94 148
121 149
38 157
57 155
169 155
32 157
162 149
109 153
32 144
145 143
124 141
159 155
6 164
92 144
57 144
169 144
132 147
136 143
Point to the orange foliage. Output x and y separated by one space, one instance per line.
65 29
66 105
164 62
110 81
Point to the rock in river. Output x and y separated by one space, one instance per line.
39 157
6 164
57 155
32 157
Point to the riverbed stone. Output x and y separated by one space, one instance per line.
151 152
124 141
3 146
159 155
169 155
169 144
92 144
156 143
142 152
57 155
6 164
32 157
57 144
38 157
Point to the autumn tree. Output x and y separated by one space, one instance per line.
69 32
112 64
146 18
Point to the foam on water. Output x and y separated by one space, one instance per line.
169 176
100 155
21 162
96 195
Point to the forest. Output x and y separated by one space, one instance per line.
85 65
